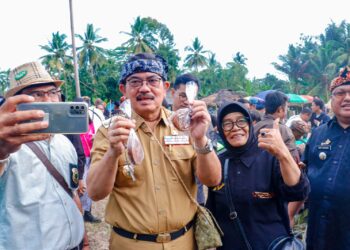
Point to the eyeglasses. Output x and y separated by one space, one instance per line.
228 125
52 93
137 83
340 93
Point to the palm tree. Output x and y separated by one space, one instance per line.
196 57
295 66
57 61
210 77
171 55
142 37
213 64
240 58
57 57
90 55
343 52
323 69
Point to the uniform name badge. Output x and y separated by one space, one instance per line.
176 140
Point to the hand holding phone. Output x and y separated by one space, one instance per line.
63 117
13 132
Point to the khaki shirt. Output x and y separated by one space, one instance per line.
156 202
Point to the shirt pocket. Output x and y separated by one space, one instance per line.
123 179
181 158
320 156
265 207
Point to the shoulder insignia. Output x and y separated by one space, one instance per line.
217 188
74 175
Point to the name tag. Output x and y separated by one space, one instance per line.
324 147
176 140
263 195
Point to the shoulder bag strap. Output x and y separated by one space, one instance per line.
175 170
183 184
233 213
52 170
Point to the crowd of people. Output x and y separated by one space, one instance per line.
260 167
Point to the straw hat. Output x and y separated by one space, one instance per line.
29 74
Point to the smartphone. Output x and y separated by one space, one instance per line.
63 117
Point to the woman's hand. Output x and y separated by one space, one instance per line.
200 120
271 140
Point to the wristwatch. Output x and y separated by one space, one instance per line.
206 149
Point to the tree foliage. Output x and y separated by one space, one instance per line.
308 66
4 80
197 55
314 62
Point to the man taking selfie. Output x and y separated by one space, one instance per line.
152 210
36 210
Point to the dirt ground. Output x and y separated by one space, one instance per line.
98 233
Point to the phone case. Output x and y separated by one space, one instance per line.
63 117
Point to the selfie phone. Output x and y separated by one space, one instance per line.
63 117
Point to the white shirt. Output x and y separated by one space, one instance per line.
292 119
35 211
97 117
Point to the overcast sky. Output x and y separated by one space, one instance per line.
261 30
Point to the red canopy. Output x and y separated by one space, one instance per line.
309 98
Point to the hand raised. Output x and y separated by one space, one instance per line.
271 140
200 120
13 133
118 133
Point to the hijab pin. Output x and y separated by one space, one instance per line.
322 156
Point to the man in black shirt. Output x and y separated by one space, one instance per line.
318 117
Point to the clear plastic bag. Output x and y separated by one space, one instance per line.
134 151
134 147
181 118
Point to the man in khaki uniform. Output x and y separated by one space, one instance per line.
152 211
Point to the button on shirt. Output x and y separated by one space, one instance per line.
35 211
156 202
327 156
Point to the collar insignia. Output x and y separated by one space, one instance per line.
217 188
326 142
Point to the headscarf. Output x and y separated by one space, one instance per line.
252 140
157 65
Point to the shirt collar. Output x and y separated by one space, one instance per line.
268 117
331 122
164 114
334 122
247 159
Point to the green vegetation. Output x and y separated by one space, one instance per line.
308 65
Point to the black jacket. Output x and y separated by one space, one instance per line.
258 192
